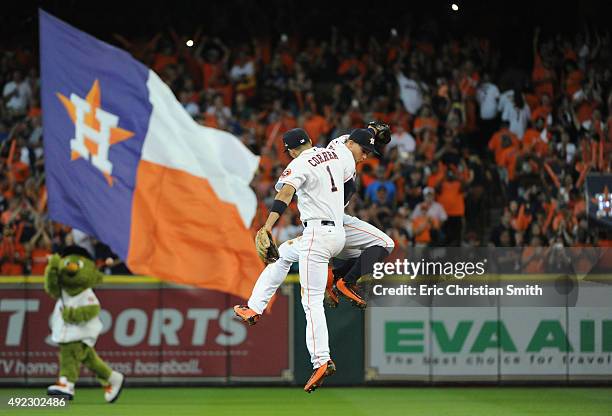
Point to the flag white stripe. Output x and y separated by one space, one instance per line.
176 141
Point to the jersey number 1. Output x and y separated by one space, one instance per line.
334 188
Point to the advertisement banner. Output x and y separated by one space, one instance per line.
491 344
152 334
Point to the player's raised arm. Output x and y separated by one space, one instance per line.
281 201
296 141
266 248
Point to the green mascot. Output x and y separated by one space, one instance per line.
75 324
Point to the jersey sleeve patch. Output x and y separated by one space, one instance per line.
294 175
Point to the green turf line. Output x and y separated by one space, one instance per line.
331 401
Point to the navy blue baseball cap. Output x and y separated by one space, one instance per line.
295 138
365 139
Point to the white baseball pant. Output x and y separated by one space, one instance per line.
318 245
359 236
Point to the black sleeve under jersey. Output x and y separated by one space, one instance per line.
349 190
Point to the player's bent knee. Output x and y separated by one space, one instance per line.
288 251
389 244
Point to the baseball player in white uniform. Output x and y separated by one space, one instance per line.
349 148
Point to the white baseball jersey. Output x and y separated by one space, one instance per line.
86 332
318 177
339 146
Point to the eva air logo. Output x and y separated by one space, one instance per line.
95 130
409 337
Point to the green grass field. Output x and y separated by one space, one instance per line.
489 401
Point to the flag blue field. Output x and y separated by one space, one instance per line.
125 163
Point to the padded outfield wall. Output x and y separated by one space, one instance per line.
163 334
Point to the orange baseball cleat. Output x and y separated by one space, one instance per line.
316 379
331 297
349 291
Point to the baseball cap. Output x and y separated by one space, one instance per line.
428 190
75 250
295 138
365 139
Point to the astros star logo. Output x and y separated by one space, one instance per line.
96 130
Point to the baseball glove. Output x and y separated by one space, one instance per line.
266 249
382 132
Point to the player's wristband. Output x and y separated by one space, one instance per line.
279 206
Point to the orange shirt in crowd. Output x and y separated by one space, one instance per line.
210 74
495 143
425 122
384 117
542 78
536 265
34 112
315 126
507 159
21 171
533 143
468 84
532 101
585 110
227 92
451 198
541 112
522 220
435 178
347 64
372 162
266 163
11 252
162 61
579 207
423 236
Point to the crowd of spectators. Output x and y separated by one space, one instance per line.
480 154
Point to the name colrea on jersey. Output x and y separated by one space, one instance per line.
324 156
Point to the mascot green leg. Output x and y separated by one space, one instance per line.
93 361
70 360
72 354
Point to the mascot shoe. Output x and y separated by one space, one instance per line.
62 388
115 384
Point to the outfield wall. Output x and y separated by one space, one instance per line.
165 334
153 333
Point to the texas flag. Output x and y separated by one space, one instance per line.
125 163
